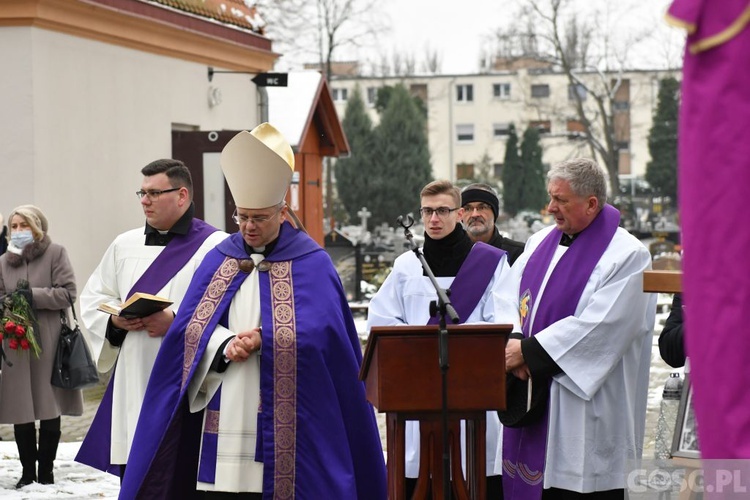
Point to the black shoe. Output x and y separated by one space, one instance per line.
26 479
46 478
48 441
27 452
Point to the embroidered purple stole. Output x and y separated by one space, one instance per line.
167 264
472 279
210 441
213 306
524 448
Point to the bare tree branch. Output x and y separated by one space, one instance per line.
592 49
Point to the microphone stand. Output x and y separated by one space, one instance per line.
443 307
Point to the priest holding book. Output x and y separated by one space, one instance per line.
158 260
255 392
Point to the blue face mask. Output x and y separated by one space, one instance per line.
20 239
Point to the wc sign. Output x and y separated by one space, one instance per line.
271 79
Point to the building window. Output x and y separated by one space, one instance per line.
540 90
372 95
497 170
544 126
464 171
340 95
419 90
577 88
620 105
500 130
501 90
465 132
465 93
575 128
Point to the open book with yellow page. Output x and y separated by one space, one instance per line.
139 305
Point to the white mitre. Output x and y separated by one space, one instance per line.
258 167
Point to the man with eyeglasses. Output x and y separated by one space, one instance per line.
458 264
159 260
481 207
255 393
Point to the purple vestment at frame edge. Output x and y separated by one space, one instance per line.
714 175
524 448
337 446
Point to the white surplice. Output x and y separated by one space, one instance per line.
236 468
404 299
124 262
597 406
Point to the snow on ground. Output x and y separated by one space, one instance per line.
72 480
77 481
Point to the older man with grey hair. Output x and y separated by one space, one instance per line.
585 350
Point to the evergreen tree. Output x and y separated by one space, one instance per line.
384 96
354 174
512 175
401 160
661 171
534 193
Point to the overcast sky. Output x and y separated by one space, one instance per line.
459 30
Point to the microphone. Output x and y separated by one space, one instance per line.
405 221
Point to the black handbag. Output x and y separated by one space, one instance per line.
73 368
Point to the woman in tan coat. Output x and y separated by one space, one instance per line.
26 394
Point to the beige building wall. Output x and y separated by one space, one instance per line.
82 117
486 112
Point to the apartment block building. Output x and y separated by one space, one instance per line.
469 115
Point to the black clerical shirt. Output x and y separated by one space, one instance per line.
155 238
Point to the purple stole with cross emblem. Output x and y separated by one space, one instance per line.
524 448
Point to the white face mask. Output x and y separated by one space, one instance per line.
20 239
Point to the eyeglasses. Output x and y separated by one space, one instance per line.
255 219
153 194
479 207
441 211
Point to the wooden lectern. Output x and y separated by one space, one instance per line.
402 376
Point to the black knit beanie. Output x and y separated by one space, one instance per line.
473 195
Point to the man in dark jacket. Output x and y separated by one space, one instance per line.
481 207
671 341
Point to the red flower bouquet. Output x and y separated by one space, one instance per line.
18 323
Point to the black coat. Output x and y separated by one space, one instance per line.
3 240
514 248
671 342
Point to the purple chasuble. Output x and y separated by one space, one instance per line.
472 279
524 448
318 436
95 449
